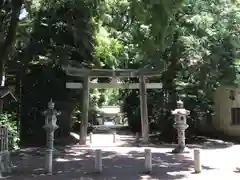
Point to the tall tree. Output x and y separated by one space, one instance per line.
7 35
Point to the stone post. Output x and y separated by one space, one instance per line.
98 160
148 160
180 124
90 137
197 161
114 137
50 126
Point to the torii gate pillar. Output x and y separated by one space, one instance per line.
85 107
144 110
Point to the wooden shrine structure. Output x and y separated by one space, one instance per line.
87 74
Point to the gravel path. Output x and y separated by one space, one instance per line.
123 161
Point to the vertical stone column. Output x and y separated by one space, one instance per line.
197 161
50 126
85 108
181 137
98 160
148 160
114 137
144 110
50 148
90 137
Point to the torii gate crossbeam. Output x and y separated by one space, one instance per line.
74 85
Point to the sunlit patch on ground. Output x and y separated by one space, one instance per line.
125 163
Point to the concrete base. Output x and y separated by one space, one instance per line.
180 149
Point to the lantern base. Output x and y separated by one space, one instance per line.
237 169
181 149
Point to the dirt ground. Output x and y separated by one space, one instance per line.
124 160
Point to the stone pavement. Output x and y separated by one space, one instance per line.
124 161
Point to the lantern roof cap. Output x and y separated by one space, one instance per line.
179 102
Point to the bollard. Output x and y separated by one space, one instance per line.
197 161
90 137
137 137
98 160
148 160
114 137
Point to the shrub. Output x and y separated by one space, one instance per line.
9 121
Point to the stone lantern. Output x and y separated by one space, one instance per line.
50 126
180 124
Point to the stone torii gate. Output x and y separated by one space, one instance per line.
86 74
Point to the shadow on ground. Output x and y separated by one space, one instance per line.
128 141
79 164
201 142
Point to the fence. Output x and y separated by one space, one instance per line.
4 153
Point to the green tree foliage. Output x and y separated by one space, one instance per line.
200 49
194 44
54 33
9 121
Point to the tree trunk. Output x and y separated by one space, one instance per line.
64 120
169 86
26 56
7 44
